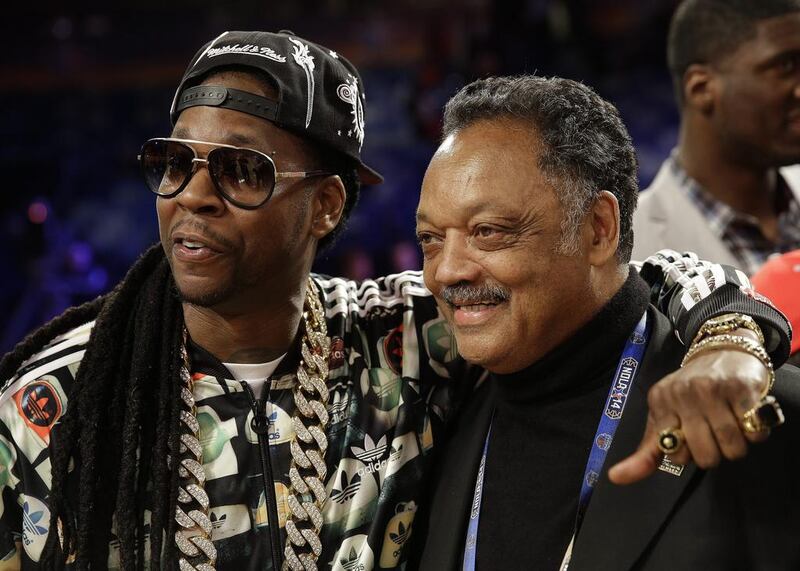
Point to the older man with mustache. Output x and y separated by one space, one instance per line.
525 225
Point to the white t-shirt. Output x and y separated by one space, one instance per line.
255 374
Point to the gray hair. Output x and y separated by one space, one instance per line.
585 146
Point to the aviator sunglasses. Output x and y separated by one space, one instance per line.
244 177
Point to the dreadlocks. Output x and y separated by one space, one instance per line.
121 423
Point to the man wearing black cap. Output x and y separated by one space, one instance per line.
222 407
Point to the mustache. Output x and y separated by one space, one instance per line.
465 294
201 228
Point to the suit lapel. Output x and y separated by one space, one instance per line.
680 223
622 520
455 476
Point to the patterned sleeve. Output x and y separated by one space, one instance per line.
31 403
10 516
691 291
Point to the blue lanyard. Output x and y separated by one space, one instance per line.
471 546
627 368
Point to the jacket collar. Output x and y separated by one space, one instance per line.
446 513
621 521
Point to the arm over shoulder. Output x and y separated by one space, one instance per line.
691 291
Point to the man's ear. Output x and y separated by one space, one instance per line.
327 206
700 85
603 226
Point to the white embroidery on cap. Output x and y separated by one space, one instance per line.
247 49
348 92
306 61
194 63
333 54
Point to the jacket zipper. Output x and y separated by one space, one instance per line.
260 425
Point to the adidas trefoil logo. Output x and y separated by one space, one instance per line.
402 534
395 453
338 408
347 489
274 431
351 561
371 455
217 523
33 522
371 451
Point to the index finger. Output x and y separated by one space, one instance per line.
641 463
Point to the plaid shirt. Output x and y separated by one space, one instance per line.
742 233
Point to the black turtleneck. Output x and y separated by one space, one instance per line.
545 419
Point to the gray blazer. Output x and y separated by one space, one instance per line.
666 218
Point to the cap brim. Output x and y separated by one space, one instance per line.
368 175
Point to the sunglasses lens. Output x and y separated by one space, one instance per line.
245 177
166 166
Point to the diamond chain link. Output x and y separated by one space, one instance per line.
307 470
193 537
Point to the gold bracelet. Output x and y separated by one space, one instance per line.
728 323
737 343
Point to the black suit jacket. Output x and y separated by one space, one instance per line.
741 515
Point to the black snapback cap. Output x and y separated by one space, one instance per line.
320 94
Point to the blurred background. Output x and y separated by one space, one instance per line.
83 85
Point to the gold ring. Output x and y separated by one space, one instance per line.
670 440
764 415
